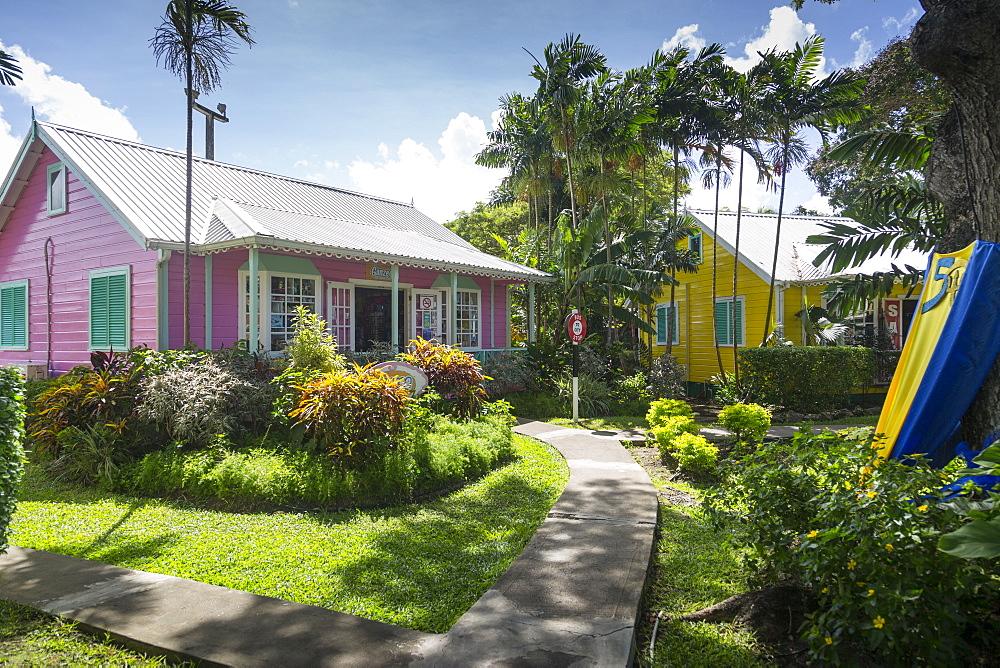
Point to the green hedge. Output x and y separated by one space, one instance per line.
806 378
11 448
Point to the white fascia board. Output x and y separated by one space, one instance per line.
27 157
258 241
99 194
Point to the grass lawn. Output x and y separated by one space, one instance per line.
32 638
418 566
693 567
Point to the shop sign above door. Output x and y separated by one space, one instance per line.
377 272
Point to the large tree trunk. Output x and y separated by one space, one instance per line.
956 40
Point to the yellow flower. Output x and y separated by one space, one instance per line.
813 533
878 622
871 494
829 640
825 589
851 564
923 508
888 546
847 485
870 592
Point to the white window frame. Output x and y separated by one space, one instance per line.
441 313
351 307
59 170
670 307
264 303
23 283
741 322
478 319
120 270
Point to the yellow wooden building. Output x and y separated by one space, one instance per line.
797 281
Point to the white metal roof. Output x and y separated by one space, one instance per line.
231 204
795 256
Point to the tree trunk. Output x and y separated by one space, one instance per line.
956 40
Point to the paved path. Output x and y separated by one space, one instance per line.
571 597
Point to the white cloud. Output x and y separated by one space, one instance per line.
8 145
686 36
754 194
818 203
901 25
60 101
784 30
865 48
439 186
301 163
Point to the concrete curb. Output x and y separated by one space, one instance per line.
571 598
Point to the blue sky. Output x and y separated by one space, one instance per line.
385 97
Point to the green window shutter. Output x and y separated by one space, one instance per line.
109 320
661 324
13 316
722 323
118 311
99 312
739 322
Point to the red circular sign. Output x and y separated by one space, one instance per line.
576 326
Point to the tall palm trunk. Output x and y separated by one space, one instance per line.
777 239
671 311
715 255
736 270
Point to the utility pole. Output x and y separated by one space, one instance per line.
210 118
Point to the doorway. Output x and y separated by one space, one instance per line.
373 317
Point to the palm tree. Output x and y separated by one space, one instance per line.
9 69
794 100
194 41
568 65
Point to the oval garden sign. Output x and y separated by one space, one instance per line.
413 378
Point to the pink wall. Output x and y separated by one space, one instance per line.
85 237
225 320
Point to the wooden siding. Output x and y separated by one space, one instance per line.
85 237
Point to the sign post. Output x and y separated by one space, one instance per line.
576 327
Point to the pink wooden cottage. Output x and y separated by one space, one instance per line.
91 234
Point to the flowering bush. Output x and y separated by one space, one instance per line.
861 534
746 420
663 409
693 453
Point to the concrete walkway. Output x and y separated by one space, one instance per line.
570 599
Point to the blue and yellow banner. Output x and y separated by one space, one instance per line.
953 341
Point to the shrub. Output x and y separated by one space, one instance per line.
630 395
85 396
861 534
669 429
693 453
312 347
539 404
454 374
666 377
355 416
11 445
194 402
727 391
592 394
447 454
506 371
746 421
807 379
664 409
89 455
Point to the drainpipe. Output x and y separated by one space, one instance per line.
254 338
162 301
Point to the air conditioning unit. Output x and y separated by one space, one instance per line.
31 371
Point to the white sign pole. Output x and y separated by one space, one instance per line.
576 385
